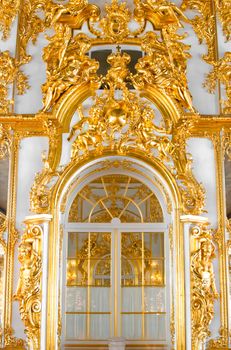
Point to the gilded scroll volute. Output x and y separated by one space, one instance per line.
28 291
203 287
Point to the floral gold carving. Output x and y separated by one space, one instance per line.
8 12
203 24
224 14
221 71
9 71
67 64
5 142
203 288
28 291
12 342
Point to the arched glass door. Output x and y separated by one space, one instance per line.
115 264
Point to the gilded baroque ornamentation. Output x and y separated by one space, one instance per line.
226 144
120 120
8 12
221 71
40 192
3 226
11 341
5 142
28 291
203 288
224 14
67 64
203 24
10 71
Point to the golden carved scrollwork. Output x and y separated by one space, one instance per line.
28 291
5 142
203 24
67 64
203 288
9 71
221 71
12 342
224 14
8 12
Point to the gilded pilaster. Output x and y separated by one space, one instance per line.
9 146
219 237
28 291
203 287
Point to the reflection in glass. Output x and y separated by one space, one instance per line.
143 286
88 281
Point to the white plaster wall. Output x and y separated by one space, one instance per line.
29 163
205 172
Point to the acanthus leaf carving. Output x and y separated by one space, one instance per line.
221 71
11 341
10 71
8 11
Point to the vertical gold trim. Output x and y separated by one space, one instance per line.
88 285
142 288
180 284
116 276
220 240
10 340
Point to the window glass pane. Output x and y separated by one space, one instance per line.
154 299
100 326
131 299
76 327
132 326
76 299
100 299
155 327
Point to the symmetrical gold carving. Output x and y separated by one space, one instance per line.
221 71
203 288
28 292
9 71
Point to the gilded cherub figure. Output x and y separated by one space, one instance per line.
67 65
55 11
166 12
203 267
